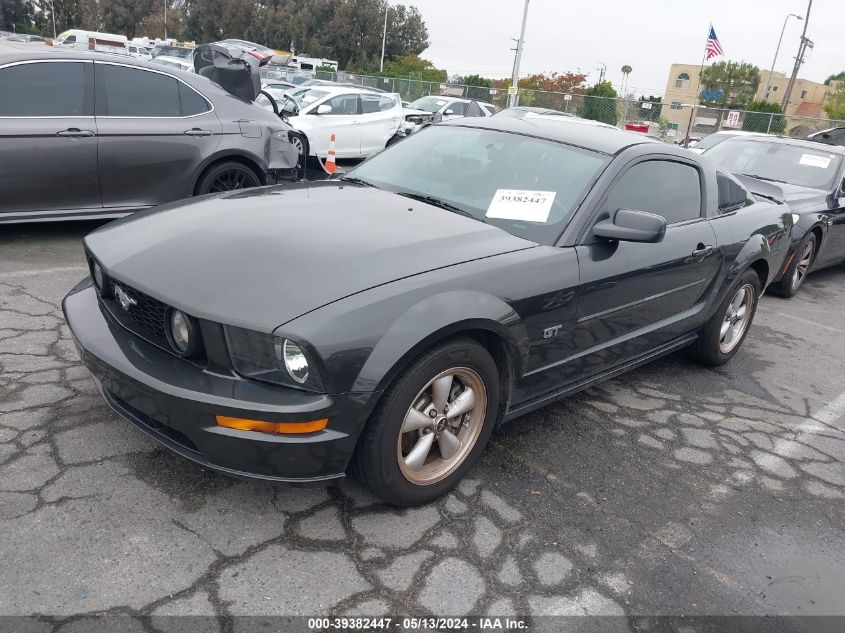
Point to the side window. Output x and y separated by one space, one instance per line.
386 103
732 195
663 187
132 92
369 104
191 103
70 39
45 89
344 105
458 108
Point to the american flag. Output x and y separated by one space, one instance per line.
713 48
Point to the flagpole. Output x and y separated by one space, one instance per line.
698 85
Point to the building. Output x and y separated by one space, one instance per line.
682 88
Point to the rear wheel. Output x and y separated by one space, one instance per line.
722 336
227 176
431 426
796 272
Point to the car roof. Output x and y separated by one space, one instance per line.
797 142
340 89
73 55
602 139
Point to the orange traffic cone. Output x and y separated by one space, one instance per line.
331 166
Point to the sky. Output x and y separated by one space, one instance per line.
474 36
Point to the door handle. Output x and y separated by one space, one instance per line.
702 250
197 132
75 132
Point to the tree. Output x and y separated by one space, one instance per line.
414 67
835 105
840 76
600 103
477 80
729 84
763 116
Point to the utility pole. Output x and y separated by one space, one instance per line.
165 20
53 14
602 71
384 37
777 50
512 98
802 49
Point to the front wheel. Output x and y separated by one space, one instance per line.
722 336
227 176
796 272
431 426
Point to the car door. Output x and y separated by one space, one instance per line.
636 297
380 118
343 120
155 132
48 137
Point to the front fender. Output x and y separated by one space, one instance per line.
434 319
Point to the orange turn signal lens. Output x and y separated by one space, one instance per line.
271 427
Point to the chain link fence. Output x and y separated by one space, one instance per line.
666 121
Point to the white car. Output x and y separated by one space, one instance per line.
362 121
445 108
174 62
278 89
141 52
717 137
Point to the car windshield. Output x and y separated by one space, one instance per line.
781 162
429 104
173 51
527 186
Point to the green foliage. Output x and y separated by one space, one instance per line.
600 103
654 114
835 106
759 118
837 77
736 81
478 80
414 67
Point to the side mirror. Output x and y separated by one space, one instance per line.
324 109
629 225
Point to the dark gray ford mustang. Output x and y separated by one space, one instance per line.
389 320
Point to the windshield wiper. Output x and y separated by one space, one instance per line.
357 181
437 202
758 177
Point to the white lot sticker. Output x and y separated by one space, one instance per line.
815 160
517 204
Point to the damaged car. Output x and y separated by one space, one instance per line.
388 321
89 135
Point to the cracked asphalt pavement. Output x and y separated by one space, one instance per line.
673 490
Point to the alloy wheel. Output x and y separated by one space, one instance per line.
442 426
296 141
232 180
803 265
737 318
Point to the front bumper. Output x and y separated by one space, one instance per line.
175 402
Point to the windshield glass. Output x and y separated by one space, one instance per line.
793 164
527 186
429 104
173 51
301 99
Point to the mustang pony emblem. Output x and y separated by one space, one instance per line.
124 298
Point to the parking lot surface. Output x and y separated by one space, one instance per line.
674 490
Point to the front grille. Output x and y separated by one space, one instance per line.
147 317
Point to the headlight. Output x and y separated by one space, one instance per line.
97 274
183 333
270 358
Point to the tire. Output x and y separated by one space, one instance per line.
716 346
227 176
396 466
300 142
795 274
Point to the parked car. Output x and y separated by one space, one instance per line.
447 108
474 272
141 52
833 136
256 50
181 63
810 178
147 135
23 37
181 52
278 89
362 121
90 40
519 112
711 140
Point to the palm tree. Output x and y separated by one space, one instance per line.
626 70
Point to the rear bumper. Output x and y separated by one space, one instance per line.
175 402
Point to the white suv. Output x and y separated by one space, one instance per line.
362 121
446 108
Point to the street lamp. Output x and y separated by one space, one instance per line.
777 50
384 36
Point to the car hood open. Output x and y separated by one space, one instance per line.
262 257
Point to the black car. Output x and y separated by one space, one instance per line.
810 178
833 136
97 135
476 271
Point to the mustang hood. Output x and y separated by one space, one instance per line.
261 257
797 197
